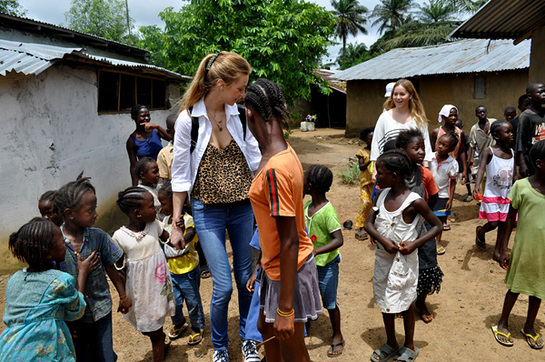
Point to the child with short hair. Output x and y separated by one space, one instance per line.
421 181
166 155
525 269
77 203
147 280
393 223
366 181
46 205
465 140
324 229
39 298
499 163
184 272
445 171
148 174
479 139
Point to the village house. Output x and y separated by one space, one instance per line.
65 99
466 73
511 19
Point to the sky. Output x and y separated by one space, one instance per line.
145 12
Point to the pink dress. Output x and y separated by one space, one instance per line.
499 179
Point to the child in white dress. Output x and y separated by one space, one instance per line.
392 222
148 282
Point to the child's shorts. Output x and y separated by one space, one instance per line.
328 279
306 294
440 207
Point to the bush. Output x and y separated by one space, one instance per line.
351 174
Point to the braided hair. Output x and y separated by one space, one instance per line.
142 165
32 242
397 161
320 177
70 195
406 137
266 98
453 139
48 196
497 126
167 188
130 198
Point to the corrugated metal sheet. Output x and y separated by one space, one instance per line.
503 19
31 58
466 56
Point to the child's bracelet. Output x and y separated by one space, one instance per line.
285 314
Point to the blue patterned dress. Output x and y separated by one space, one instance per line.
37 306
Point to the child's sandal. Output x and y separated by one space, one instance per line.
195 338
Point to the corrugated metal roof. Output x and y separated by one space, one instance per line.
32 58
466 56
504 19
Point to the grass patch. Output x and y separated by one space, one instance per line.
350 175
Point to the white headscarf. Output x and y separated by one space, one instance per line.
445 111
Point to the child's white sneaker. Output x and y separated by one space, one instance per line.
220 356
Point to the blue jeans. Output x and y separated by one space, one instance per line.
93 341
211 221
328 280
186 287
253 315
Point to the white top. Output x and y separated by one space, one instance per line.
395 276
185 164
139 245
442 173
388 128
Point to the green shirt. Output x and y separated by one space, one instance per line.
319 227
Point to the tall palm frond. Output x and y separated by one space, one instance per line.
391 14
350 18
436 10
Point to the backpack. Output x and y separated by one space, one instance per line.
195 126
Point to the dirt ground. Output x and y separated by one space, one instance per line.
469 303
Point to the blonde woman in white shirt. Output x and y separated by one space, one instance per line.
215 171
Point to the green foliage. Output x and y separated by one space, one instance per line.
283 40
354 55
437 11
391 14
104 18
351 174
11 7
350 18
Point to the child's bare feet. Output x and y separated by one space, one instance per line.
425 314
479 238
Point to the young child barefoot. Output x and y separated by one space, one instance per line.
393 223
499 163
525 269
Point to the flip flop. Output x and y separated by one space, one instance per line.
481 243
195 338
361 235
331 353
446 227
506 336
530 338
385 352
441 250
407 354
205 273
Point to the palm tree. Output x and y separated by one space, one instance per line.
356 53
436 11
350 18
390 14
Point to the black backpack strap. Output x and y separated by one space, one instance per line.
194 131
242 111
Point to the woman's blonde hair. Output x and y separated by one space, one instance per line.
415 106
223 65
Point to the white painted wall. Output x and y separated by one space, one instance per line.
51 131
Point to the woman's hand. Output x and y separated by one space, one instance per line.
177 237
284 327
